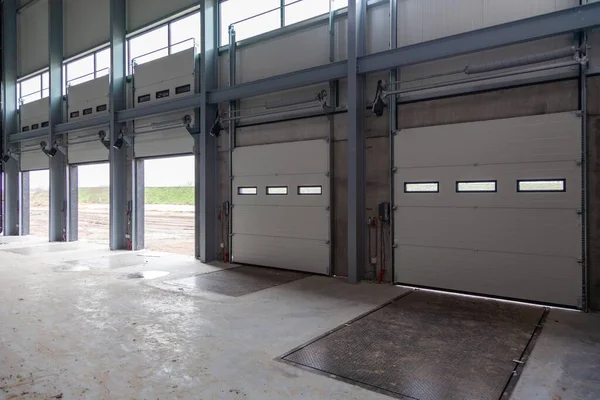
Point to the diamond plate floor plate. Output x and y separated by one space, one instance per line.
240 281
427 346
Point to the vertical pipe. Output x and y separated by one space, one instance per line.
356 142
118 102
393 126
9 116
58 163
281 14
232 126
583 42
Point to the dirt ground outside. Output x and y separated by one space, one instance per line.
168 227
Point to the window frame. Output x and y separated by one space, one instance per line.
170 44
241 188
37 75
563 180
287 190
495 182
300 187
437 183
94 73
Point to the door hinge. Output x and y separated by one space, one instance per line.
580 261
579 211
395 169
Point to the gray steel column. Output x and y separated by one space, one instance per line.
118 157
356 141
232 133
583 106
393 109
25 205
207 183
73 225
58 168
9 116
138 211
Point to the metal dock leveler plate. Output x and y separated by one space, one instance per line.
427 346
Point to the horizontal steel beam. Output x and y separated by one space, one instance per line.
184 103
41 133
82 124
278 83
524 30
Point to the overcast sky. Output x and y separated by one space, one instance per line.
178 171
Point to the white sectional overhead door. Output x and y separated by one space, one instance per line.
492 208
159 81
281 206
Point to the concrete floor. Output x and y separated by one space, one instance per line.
96 334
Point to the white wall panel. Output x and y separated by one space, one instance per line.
301 49
86 25
502 243
423 20
144 12
293 52
32 38
378 29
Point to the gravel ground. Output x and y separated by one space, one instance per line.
169 228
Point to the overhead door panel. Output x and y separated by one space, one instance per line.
33 116
88 100
463 222
158 81
281 206
32 157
